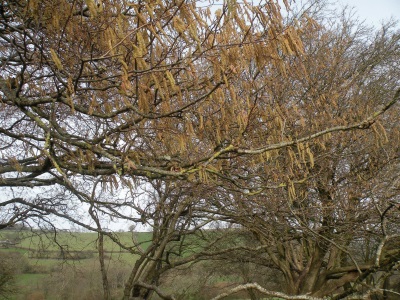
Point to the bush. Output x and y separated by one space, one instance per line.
7 275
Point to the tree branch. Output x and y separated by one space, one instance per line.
264 291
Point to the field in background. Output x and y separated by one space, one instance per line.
61 265
65 266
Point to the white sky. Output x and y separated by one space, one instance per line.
374 11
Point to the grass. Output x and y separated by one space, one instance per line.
83 241
42 249
29 280
37 251
43 273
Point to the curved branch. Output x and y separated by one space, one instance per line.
264 291
156 289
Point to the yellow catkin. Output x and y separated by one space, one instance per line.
56 59
70 86
291 191
310 156
179 25
170 78
141 43
383 131
92 7
71 103
149 10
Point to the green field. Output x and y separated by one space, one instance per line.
73 241
47 264
66 266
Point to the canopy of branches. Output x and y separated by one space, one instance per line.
181 114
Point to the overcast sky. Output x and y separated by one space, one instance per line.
374 11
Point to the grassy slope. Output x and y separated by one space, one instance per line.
72 240
37 271
43 272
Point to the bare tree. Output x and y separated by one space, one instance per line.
317 205
174 115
